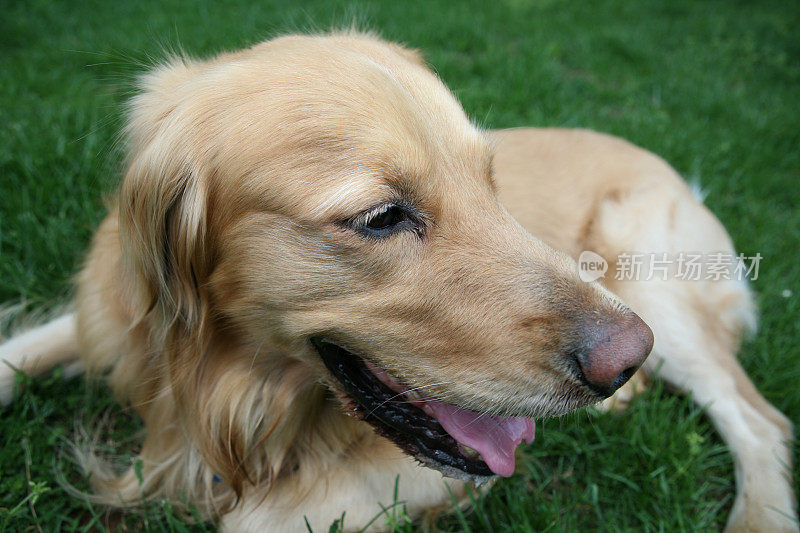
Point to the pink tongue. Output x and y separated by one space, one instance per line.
495 438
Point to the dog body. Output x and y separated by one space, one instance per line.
313 222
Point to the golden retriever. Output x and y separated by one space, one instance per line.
319 278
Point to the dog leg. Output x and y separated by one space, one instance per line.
695 352
698 324
37 351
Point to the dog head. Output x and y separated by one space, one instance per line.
326 200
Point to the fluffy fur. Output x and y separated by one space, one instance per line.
232 242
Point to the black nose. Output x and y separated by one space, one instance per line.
616 352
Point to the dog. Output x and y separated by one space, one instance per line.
320 279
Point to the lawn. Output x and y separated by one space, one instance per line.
712 86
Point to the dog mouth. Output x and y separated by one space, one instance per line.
458 442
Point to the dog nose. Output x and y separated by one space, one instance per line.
617 352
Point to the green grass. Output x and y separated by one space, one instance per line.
712 86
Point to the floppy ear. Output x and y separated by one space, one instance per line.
163 234
162 205
243 418
162 227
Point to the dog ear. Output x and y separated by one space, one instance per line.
162 205
163 236
237 414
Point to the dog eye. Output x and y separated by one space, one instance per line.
385 217
386 220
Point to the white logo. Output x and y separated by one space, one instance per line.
591 266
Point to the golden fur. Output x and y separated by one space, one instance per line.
226 250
